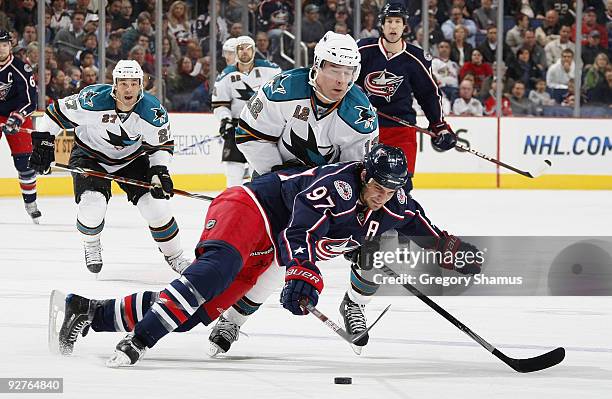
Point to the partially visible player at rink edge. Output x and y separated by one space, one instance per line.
119 129
18 99
392 72
293 218
306 116
237 83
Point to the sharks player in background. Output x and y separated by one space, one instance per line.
17 101
291 219
306 116
392 72
233 88
119 129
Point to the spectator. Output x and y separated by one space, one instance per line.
516 36
524 70
69 41
114 9
490 103
236 30
456 19
90 42
342 15
609 15
602 93
50 58
539 96
596 73
200 97
142 26
145 42
113 51
32 54
15 37
147 6
518 102
486 15
555 47
29 35
89 77
86 7
87 59
169 57
262 46
57 87
184 83
123 21
24 15
369 26
179 22
589 24
60 19
341 28
312 28
460 49
538 55
49 33
569 98
592 49
479 69
466 104
74 78
565 8
446 71
489 46
328 11
139 53
435 34
560 73
91 23
549 30
5 22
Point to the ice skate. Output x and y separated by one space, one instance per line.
93 255
355 321
77 319
127 352
32 210
178 262
223 335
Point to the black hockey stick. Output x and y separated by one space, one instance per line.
120 179
350 338
527 365
531 174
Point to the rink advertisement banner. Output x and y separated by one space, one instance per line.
580 151
508 266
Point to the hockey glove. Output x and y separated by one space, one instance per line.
290 164
43 152
13 123
445 137
227 129
302 281
458 255
361 258
161 181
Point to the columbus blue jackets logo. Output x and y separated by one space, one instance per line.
344 189
401 196
328 248
382 83
4 90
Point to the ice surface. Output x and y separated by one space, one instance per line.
413 352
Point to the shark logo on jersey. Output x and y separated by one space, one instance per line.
277 84
328 248
160 114
4 90
246 93
382 84
120 142
367 116
308 151
87 97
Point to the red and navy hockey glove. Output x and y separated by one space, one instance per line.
302 280
445 137
13 123
458 255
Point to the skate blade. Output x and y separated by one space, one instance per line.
214 350
118 360
57 310
357 349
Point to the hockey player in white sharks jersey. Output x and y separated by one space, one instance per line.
122 130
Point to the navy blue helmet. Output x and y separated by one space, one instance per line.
387 166
5 36
392 10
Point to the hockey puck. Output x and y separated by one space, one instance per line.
343 380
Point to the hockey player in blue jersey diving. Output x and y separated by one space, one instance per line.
118 129
287 221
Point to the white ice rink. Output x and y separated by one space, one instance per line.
413 352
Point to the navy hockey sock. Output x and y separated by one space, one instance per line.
27 177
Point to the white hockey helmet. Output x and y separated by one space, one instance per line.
128 69
230 45
242 40
339 49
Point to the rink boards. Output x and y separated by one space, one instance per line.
580 151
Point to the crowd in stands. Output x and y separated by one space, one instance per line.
538 52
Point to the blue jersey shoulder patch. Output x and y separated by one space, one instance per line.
150 109
259 63
357 111
97 98
288 86
419 53
226 71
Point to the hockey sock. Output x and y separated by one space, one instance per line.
90 215
122 314
163 226
361 290
27 177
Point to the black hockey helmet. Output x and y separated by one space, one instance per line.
392 10
5 36
387 166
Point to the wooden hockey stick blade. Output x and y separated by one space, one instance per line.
531 364
350 338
